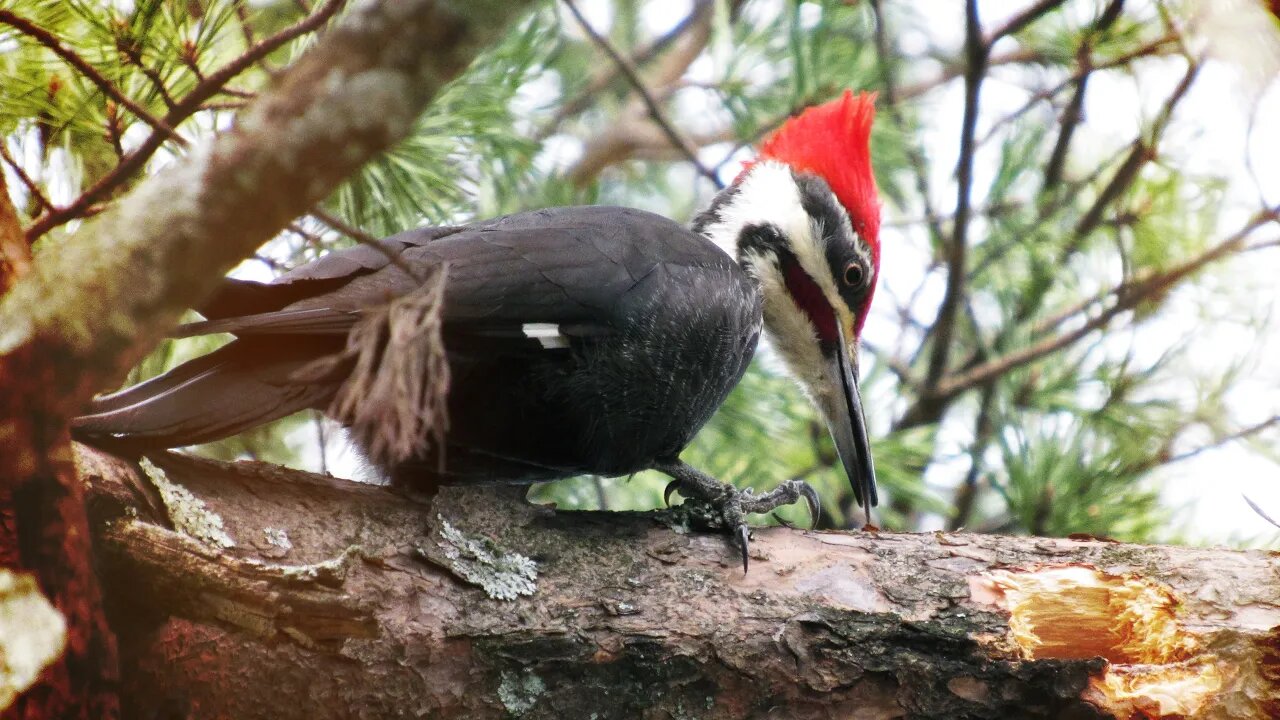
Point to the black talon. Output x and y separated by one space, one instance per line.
743 540
666 492
815 504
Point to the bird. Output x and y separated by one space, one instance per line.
576 340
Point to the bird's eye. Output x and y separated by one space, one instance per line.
854 275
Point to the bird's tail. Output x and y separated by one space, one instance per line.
239 386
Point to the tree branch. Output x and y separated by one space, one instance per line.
941 334
385 606
1019 22
1127 296
1074 112
655 112
1142 152
699 17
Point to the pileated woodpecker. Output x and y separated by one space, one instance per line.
579 340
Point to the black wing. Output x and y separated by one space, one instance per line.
530 282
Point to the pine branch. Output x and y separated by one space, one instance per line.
1155 48
72 58
33 189
1019 22
1143 151
209 86
1074 112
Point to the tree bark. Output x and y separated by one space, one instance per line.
265 592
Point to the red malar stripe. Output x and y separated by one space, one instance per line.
809 297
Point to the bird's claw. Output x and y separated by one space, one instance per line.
786 494
813 501
666 493
730 506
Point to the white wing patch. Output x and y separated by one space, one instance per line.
547 334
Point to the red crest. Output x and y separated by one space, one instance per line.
833 140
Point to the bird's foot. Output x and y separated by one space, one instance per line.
727 507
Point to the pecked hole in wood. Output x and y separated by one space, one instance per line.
1156 669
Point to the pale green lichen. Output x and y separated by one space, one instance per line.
504 575
519 693
188 513
32 634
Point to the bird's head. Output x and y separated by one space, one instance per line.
803 218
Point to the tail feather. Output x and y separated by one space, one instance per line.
239 386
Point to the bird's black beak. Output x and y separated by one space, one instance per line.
842 406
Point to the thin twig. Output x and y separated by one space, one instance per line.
1152 49
1241 434
343 226
885 52
591 93
32 188
45 38
655 112
1019 22
943 328
951 71
364 238
1142 152
1233 244
210 86
135 56
227 106
1069 122
235 93
246 28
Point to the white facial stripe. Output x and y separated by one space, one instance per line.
767 196
547 334
794 336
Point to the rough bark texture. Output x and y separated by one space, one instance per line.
292 595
